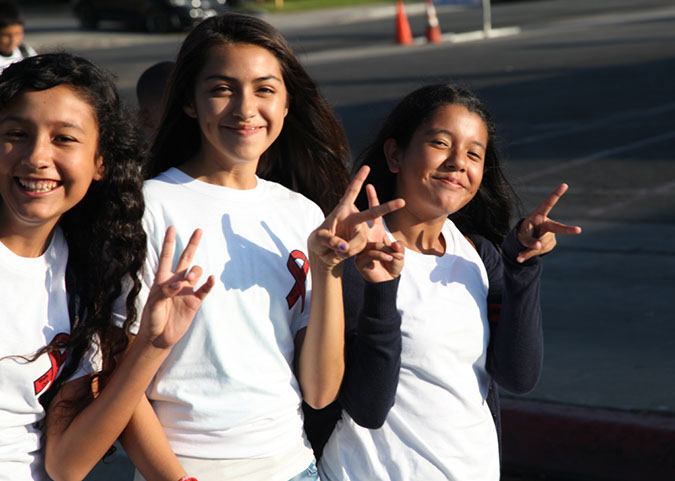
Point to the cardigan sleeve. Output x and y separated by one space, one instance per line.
372 358
515 351
372 348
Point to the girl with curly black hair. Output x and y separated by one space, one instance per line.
71 248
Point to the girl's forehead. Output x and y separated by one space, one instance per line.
241 56
61 104
452 113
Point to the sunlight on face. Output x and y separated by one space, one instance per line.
441 169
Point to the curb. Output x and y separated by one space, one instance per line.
575 442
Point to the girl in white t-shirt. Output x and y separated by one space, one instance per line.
71 243
250 152
419 400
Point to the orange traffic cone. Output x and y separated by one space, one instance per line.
403 32
433 27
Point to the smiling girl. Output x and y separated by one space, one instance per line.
249 151
435 412
71 242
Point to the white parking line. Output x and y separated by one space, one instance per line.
641 194
560 166
576 126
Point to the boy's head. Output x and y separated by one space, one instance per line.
11 28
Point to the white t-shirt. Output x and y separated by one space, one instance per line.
440 427
227 390
34 311
17 55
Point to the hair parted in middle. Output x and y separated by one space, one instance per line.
488 214
311 153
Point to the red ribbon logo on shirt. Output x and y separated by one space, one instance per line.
299 273
57 358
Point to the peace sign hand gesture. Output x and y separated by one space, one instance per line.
381 259
345 231
537 232
173 302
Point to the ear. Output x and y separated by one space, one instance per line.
392 154
100 169
190 110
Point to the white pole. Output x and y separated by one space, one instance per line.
487 18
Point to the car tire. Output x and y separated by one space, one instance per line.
157 21
86 13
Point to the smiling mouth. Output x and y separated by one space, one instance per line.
455 183
38 186
245 129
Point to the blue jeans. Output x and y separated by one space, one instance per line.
309 474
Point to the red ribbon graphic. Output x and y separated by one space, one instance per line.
299 273
57 359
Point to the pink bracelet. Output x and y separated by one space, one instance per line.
187 478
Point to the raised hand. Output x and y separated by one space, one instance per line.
537 232
381 259
345 231
173 302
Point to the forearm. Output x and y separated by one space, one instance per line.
517 344
373 356
148 448
321 353
75 445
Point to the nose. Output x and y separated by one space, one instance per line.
37 155
245 107
456 160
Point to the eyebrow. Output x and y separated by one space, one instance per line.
234 80
447 132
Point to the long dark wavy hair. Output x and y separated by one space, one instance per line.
106 240
488 214
311 153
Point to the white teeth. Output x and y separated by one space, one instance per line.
38 185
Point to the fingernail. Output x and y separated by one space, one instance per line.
343 246
175 286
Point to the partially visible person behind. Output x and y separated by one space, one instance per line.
150 94
71 249
12 48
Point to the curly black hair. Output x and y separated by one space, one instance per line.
489 213
105 236
310 155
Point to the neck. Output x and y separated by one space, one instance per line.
239 175
421 235
26 242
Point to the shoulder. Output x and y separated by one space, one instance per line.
166 189
26 51
160 183
486 249
285 198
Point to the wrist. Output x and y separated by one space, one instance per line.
320 268
146 347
